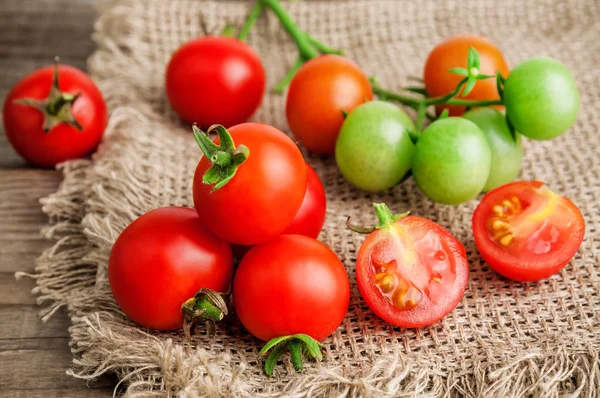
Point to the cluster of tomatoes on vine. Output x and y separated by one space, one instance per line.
256 199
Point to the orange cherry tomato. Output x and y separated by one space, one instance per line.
452 53
321 91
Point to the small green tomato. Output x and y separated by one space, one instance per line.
452 160
507 151
374 150
541 98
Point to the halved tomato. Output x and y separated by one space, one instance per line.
410 270
526 232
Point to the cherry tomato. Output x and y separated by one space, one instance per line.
310 218
321 91
410 271
215 80
452 53
265 193
291 284
47 122
507 150
374 150
452 160
526 232
162 259
541 98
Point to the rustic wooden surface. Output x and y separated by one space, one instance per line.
34 356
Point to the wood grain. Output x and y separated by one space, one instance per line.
35 356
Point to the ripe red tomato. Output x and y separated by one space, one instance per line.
452 53
322 89
526 232
62 111
292 284
215 80
265 193
411 271
162 259
309 219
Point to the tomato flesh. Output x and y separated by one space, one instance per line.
526 232
412 273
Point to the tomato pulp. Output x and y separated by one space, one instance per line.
411 271
526 232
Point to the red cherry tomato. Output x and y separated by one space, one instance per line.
411 271
292 284
265 193
526 232
162 259
309 219
24 124
452 53
215 80
322 89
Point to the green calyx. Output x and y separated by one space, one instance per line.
385 216
207 306
299 345
57 107
225 158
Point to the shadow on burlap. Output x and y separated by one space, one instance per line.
503 339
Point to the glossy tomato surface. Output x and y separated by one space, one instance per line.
411 273
322 89
23 124
265 194
310 217
526 232
452 53
215 80
162 259
292 284
541 98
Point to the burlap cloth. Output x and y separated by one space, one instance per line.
503 339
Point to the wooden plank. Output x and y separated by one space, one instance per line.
16 292
21 321
77 391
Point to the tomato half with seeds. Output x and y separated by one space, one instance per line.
410 270
526 232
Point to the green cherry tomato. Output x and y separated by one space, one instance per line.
507 151
452 160
541 98
374 150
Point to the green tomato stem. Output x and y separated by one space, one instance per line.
288 77
324 48
306 49
206 306
252 17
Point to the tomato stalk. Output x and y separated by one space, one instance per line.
252 17
56 108
207 306
225 158
299 346
384 215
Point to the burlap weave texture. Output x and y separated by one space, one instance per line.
503 339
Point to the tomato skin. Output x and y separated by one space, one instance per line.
382 246
310 217
292 284
452 53
521 264
541 98
23 124
263 197
162 259
215 80
319 92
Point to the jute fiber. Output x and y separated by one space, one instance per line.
505 339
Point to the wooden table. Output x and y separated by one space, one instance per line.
34 356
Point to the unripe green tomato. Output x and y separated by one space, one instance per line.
507 151
452 160
541 98
374 150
